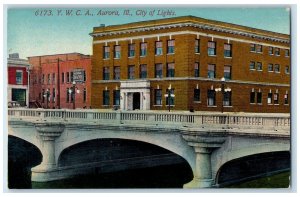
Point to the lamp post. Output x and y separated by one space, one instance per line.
72 91
223 90
46 95
169 95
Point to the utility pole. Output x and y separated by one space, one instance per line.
58 83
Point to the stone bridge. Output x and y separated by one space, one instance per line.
205 140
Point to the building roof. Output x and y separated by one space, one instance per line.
190 21
14 60
74 53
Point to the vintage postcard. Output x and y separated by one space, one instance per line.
148 97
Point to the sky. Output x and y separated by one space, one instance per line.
54 30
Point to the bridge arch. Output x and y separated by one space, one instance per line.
223 156
26 134
172 142
106 155
250 166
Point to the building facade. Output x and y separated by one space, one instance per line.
190 63
53 79
17 80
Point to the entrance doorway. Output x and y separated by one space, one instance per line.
136 101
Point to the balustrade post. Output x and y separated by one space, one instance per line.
89 116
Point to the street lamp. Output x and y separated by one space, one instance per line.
46 95
223 90
72 92
169 95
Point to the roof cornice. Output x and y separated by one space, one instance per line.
215 28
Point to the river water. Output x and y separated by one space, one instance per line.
171 176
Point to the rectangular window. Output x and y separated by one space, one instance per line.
105 73
196 70
84 95
252 97
286 99
277 68
277 51
269 98
53 78
252 48
106 50
158 96
131 72
143 71
271 51
259 97
143 51
252 65
68 77
287 52
117 51
43 79
105 97
62 77
211 71
259 48
158 70
227 99
287 70
276 98
197 46
170 70
43 95
259 66
171 46
67 95
158 48
116 97
53 95
196 95
270 67
19 77
72 77
49 78
72 95
211 98
211 48
227 72
227 50
84 76
117 72
131 50
171 98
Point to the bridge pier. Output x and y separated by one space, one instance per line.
204 144
47 132
202 172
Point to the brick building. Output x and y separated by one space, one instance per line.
52 76
205 65
17 80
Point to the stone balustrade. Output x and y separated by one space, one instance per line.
155 117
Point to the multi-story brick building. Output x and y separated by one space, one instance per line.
206 65
17 80
52 77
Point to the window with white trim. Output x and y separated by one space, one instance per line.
211 50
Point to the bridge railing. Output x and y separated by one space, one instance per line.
154 117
